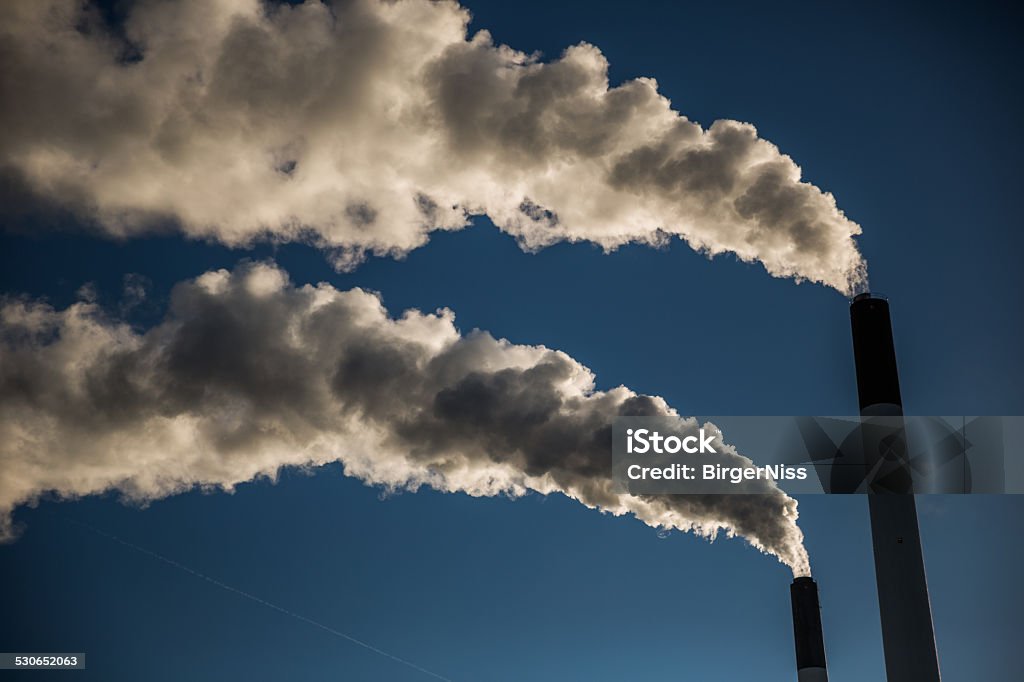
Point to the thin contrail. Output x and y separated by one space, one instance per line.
258 600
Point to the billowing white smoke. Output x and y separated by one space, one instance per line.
362 126
248 373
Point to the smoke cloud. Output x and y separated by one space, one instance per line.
248 373
362 126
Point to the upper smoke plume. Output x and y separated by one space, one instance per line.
248 373
363 126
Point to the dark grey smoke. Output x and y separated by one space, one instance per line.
248 373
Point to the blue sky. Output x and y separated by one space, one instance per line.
909 115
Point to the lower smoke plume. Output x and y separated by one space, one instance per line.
248 373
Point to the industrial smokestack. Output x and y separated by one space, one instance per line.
878 382
903 603
807 634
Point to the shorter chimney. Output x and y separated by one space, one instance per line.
807 635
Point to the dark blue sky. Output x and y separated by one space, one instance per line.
909 115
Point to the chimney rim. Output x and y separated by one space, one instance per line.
869 296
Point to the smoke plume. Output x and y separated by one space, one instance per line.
248 373
362 126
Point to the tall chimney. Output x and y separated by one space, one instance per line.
903 603
810 645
